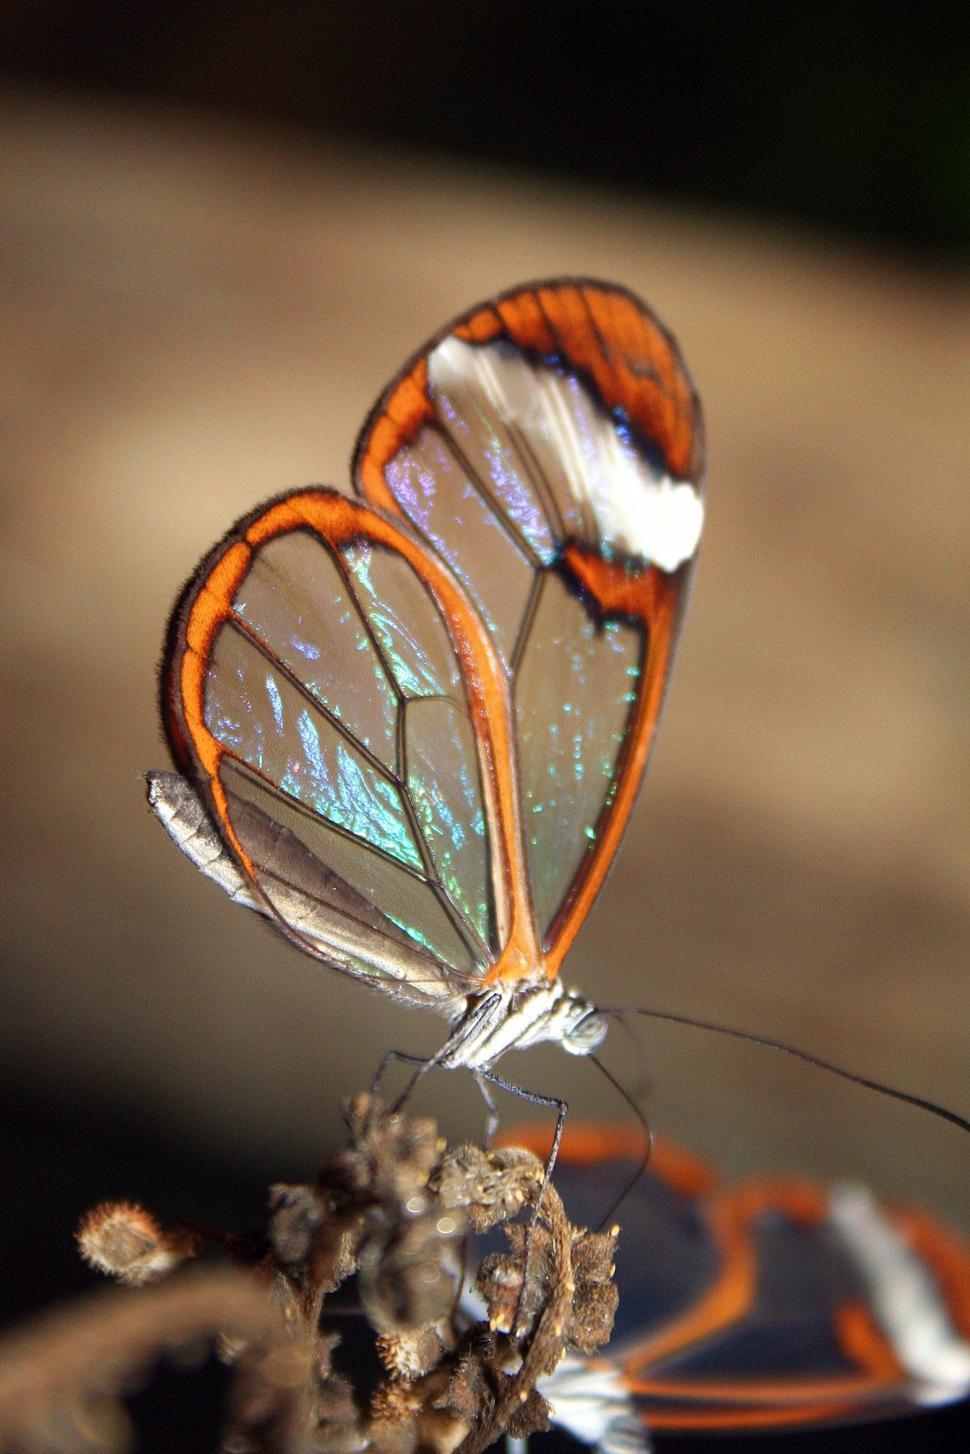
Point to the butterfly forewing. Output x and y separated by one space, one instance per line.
548 449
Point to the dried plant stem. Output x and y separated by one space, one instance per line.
546 1343
55 1372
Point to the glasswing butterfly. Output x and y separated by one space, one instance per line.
410 723
778 1303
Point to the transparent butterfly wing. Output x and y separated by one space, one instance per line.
779 1303
548 448
315 702
417 724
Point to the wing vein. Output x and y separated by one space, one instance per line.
246 631
465 930
276 790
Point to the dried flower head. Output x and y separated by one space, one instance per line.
124 1241
596 1297
388 1157
411 1266
410 1355
491 1185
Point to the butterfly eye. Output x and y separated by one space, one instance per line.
586 1034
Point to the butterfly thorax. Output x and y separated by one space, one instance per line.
512 1016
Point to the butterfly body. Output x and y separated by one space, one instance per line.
513 1018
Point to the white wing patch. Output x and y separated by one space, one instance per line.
589 1401
904 1297
608 493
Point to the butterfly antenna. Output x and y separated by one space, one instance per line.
648 1139
644 1084
880 1087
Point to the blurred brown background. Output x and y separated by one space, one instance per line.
199 304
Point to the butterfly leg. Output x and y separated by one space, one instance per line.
481 1014
390 1059
491 1125
552 1103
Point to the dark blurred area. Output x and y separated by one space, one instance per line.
222 229
854 118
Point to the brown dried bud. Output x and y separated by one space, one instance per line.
492 1185
499 1283
411 1355
410 1274
389 1157
396 1402
531 1417
596 1297
593 1296
296 1215
338 1417
471 1394
124 1241
594 1255
511 1301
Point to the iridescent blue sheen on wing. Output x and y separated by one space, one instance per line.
453 515
271 723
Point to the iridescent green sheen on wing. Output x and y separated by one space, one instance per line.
302 881
443 784
402 903
574 700
254 708
405 623
335 690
